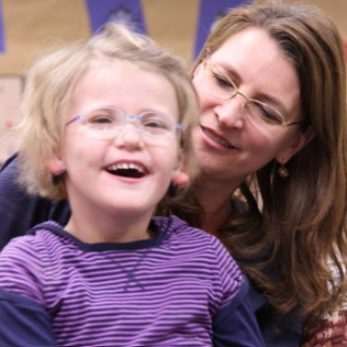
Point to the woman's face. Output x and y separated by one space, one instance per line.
237 136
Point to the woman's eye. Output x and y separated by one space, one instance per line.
223 81
268 114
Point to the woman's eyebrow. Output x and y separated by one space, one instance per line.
232 73
229 71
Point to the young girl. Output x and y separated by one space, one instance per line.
107 125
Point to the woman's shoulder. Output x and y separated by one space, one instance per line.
20 211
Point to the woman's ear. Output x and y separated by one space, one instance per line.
299 142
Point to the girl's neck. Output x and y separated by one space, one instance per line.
95 228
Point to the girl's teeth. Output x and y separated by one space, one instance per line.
126 166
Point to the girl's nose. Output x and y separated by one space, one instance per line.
129 137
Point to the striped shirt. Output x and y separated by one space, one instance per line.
176 289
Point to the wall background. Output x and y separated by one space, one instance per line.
29 28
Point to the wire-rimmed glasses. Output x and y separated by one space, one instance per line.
222 86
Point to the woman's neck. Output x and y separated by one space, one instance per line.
215 201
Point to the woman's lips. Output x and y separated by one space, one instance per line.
215 137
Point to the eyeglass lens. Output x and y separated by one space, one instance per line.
223 87
107 121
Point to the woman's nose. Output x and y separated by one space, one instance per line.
231 112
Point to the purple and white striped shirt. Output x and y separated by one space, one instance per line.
171 290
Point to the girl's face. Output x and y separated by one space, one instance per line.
246 88
122 171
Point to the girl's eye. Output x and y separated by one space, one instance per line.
156 122
101 120
151 123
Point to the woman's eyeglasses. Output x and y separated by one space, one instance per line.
221 85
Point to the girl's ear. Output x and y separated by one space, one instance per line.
180 176
301 140
55 165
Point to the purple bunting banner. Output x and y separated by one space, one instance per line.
210 11
2 33
124 11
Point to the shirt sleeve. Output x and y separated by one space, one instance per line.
235 324
24 320
22 268
20 211
283 333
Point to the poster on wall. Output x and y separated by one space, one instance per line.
11 87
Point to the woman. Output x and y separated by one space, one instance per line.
271 81
272 151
